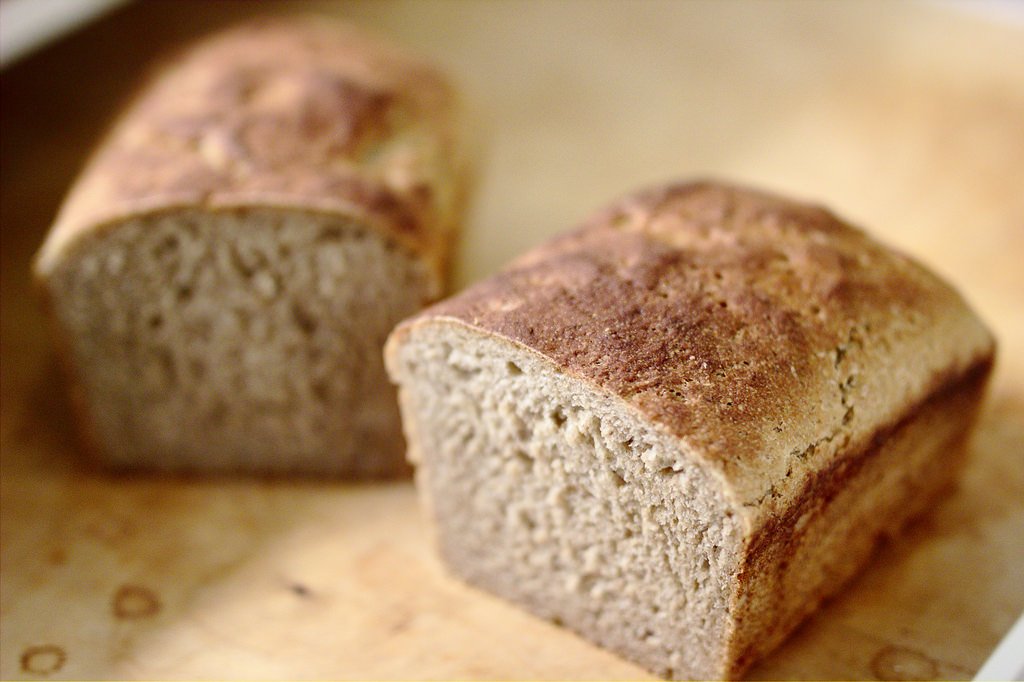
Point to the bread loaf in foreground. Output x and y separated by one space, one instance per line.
224 273
679 428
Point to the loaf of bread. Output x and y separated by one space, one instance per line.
225 271
679 428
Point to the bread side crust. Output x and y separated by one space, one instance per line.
296 114
802 558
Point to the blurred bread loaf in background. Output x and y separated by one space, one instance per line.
224 272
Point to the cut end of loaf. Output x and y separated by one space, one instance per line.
238 340
557 498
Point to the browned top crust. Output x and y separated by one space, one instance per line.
296 113
769 336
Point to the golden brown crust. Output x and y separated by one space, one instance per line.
767 335
292 113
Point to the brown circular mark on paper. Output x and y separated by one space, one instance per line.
45 659
899 663
134 601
